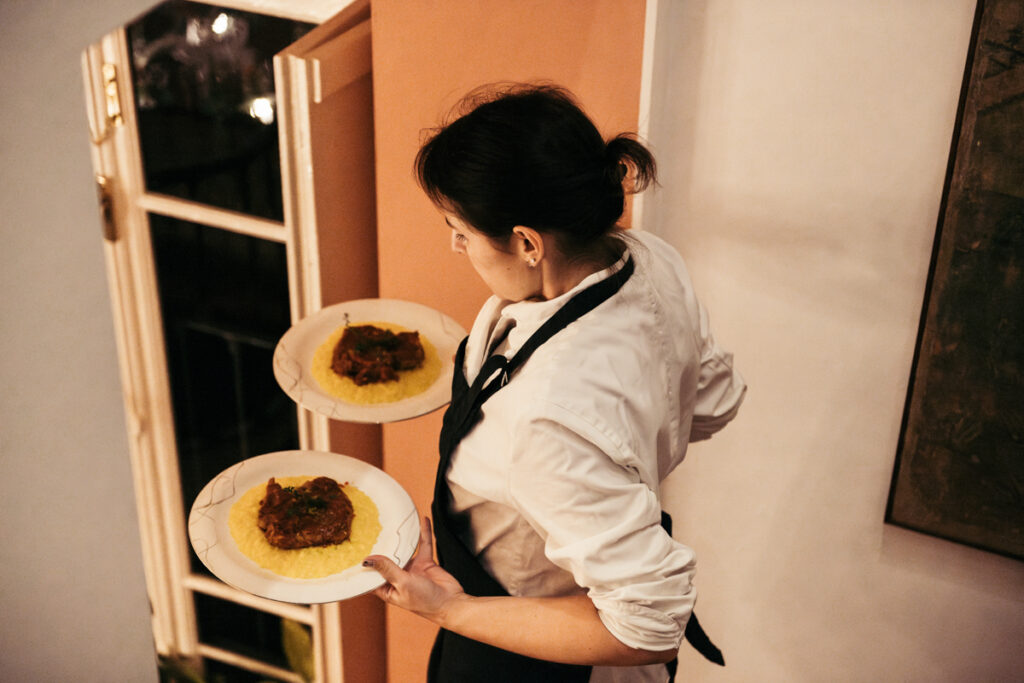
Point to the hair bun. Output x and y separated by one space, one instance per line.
624 153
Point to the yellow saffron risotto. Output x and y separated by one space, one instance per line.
410 382
303 563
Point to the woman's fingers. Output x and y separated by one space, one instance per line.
396 578
390 571
426 535
385 567
424 554
423 587
425 548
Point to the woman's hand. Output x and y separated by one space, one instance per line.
424 588
560 629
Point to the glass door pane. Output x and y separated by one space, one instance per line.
224 303
236 628
204 92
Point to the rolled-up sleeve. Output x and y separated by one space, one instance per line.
720 388
582 492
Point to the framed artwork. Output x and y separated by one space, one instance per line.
959 470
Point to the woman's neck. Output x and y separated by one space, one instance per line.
560 274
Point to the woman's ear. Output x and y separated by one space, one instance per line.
528 244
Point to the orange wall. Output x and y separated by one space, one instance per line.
426 55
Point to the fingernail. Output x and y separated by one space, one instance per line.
368 563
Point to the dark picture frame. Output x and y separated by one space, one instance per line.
959 471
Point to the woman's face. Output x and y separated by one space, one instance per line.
506 273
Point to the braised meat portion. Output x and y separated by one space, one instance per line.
369 354
315 513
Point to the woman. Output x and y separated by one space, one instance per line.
576 392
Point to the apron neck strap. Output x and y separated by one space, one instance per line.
467 400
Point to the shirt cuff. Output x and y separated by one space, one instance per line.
642 627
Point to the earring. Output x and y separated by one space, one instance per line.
531 262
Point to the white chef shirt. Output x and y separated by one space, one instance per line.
560 479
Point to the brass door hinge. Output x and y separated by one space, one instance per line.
111 95
111 104
105 194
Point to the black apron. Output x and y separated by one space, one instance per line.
454 658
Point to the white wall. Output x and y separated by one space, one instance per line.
803 148
72 595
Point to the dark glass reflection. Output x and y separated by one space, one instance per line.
246 631
224 301
204 90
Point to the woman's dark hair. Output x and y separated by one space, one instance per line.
528 155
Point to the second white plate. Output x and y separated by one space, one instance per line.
293 358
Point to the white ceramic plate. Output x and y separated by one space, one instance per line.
211 538
293 358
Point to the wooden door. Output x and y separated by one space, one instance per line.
165 229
